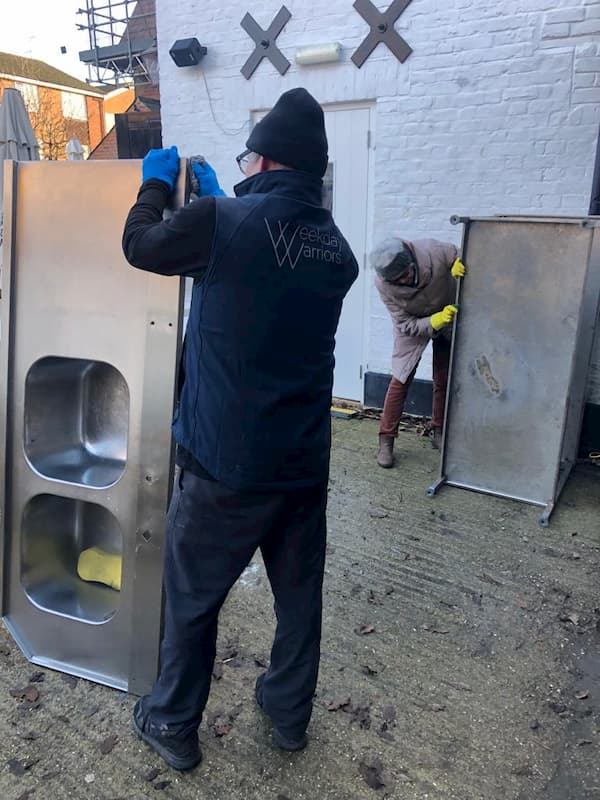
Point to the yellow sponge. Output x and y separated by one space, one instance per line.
97 565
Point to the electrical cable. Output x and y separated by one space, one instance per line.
214 116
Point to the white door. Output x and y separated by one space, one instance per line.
348 132
348 135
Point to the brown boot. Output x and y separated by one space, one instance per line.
385 456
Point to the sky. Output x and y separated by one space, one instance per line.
38 29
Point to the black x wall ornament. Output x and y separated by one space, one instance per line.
382 30
265 43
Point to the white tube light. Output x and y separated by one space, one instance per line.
319 53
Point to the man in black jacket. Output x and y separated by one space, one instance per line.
252 423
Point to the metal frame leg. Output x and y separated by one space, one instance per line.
545 515
435 487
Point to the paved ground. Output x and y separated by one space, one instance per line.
477 675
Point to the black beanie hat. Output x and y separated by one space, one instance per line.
293 133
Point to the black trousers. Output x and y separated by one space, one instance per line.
212 534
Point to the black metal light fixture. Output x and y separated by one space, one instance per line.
187 52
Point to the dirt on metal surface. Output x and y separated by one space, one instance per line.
461 660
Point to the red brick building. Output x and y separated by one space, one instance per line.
60 106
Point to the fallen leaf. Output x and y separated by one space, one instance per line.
368 670
583 694
152 774
18 767
108 744
433 629
28 736
228 651
523 770
37 677
362 715
337 703
222 726
29 693
384 733
47 776
558 708
372 773
462 687
161 785
488 579
212 716
364 630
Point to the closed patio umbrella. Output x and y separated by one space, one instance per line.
17 140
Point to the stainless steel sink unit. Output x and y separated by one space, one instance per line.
88 358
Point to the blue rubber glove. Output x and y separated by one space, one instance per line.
207 178
163 165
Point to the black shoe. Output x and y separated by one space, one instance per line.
180 752
282 741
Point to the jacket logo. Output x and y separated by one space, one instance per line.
311 243
282 245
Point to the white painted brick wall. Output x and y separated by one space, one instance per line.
496 110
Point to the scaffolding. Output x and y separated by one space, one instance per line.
122 36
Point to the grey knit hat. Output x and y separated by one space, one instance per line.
391 259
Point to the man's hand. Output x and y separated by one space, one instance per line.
443 317
162 165
207 180
458 269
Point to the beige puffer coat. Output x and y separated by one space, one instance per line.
411 306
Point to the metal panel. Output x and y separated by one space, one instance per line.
520 357
91 354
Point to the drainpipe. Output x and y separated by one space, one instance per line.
595 198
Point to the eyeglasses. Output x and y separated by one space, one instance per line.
243 160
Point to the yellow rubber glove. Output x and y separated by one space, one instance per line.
443 317
458 269
97 565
